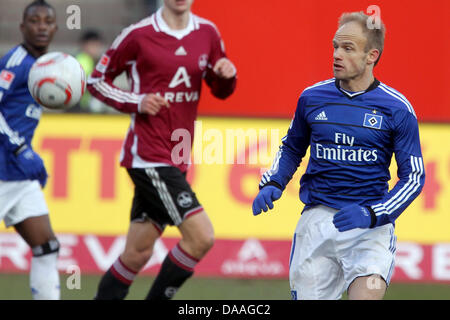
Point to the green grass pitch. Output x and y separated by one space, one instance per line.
15 287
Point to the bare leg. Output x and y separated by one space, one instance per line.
372 287
35 230
141 238
197 235
118 278
197 238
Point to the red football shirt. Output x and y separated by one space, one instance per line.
171 63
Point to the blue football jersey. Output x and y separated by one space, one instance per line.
352 137
19 112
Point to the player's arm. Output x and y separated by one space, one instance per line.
411 172
9 80
29 162
221 74
411 176
113 63
287 160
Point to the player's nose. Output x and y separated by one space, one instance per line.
336 55
43 27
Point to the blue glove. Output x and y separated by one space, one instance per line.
264 198
354 216
31 164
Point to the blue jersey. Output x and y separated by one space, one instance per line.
352 137
19 112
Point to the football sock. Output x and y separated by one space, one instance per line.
177 267
116 282
44 276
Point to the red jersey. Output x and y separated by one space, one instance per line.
171 63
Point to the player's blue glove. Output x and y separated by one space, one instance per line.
354 216
264 199
31 164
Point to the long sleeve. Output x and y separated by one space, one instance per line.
221 88
10 77
291 152
410 172
118 58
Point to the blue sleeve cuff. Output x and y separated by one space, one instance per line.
272 183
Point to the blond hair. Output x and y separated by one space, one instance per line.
375 33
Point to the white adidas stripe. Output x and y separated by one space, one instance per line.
321 83
405 192
199 20
13 136
400 95
125 32
407 104
412 181
273 169
263 179
164 195
111 93
135 76
12 58
116 94
403 189
413 188
16 58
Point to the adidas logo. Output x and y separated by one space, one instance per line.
321 116
180 51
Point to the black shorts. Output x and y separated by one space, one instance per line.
163 196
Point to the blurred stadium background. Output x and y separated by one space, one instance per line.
279 49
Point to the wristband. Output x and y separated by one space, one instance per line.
373 217
272 183
19 149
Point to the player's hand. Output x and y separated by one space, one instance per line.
265 199
152 103
31 164
224 68
351 217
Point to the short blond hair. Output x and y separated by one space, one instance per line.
375 36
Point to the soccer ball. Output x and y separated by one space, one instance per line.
57 81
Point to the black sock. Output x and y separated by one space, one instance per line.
115 282
177 267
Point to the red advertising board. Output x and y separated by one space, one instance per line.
280 48
237 258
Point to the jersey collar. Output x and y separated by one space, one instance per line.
352 95
179 34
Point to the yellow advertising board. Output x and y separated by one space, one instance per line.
87 191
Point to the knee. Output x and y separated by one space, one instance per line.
207 242
47 247
136 259
201 245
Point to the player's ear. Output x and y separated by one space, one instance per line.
372 56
